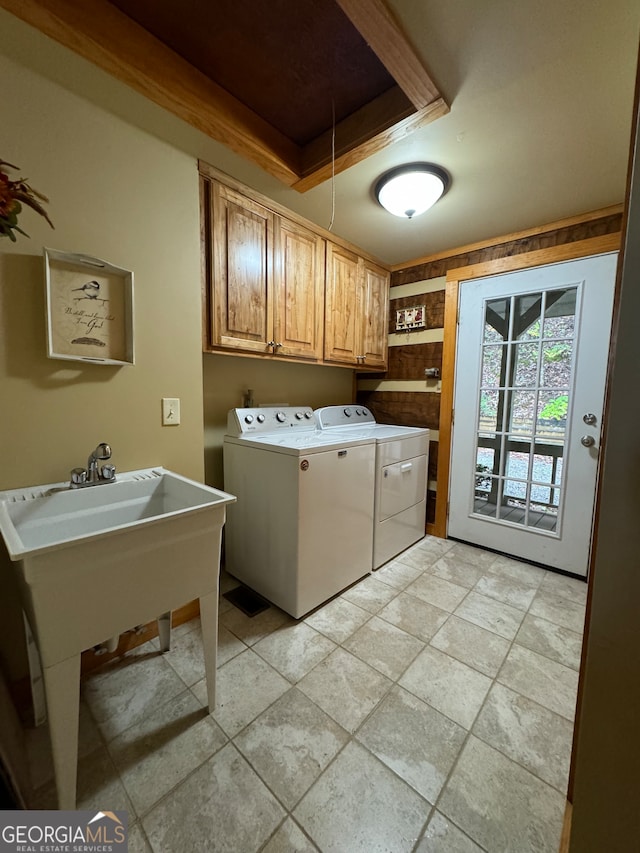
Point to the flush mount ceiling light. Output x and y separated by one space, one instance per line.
411 189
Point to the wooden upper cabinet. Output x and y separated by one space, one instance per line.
357 300
241 306
343 301
276 285
375 317
298 291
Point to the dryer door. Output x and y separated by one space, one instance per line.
402 485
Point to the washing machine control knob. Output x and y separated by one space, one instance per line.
248 419
281 417
308 415
299 416
260 419
348 412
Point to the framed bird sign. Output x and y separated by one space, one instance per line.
89 309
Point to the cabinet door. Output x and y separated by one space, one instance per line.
242 314
298 290
375 316
342 337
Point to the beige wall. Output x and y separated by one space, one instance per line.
122 195
227 378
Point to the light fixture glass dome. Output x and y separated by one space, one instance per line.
410 190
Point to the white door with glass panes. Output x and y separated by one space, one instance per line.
531 364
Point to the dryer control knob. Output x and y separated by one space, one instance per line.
281 417
299 416
248 419
260 419
348 412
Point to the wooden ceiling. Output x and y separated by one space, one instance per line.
270 79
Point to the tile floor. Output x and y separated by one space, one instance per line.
428 708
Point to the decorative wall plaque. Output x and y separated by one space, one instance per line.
410 318
89 309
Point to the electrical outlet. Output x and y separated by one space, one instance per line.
170 411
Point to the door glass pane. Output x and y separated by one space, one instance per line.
552 413
488 454
496 320
515 491
484 458
483 480
543 466
484 502
556 363
518 459
493 365
560 313
524 404
526 366
541 493
514 502
527 317
489 410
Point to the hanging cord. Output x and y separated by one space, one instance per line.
333 164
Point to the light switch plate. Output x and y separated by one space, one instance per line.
170 411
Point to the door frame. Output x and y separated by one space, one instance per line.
513 263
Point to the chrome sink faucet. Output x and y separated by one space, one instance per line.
94 475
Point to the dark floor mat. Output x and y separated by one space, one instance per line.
247 600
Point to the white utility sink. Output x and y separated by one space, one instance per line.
93 562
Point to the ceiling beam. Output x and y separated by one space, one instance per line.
378 115
383 34
102 34
323 169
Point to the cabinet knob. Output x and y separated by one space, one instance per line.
271 343
279 345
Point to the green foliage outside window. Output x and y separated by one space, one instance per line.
556 409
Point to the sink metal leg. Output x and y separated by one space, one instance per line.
62 692
164 631
209 625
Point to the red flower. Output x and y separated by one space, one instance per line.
13 194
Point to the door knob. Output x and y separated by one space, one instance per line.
587 440
590 419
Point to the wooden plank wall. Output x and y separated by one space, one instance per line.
402 395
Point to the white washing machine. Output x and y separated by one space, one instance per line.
302 528
402 455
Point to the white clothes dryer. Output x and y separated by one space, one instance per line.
402 455
302 528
